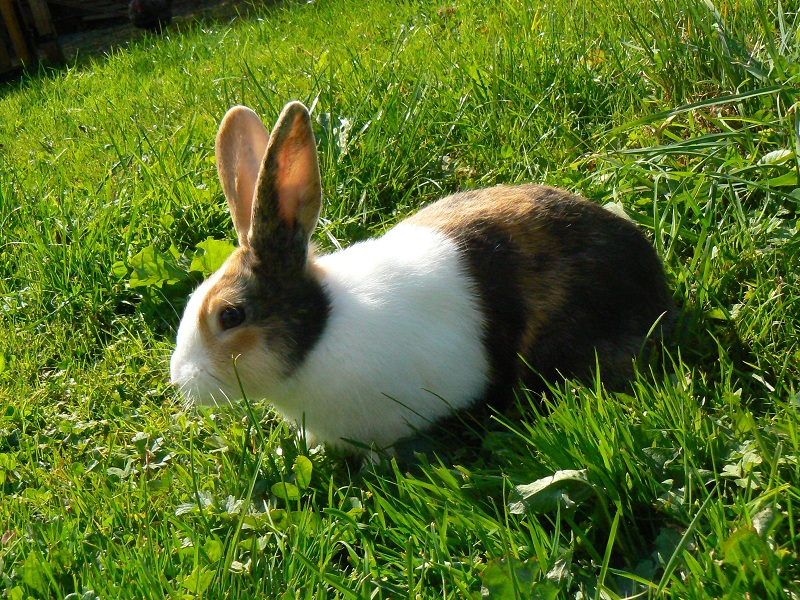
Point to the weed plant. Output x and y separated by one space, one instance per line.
683 113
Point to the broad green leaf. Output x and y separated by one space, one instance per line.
618 209
210 255
561 571
39 497
152 268
140 440
544 590
232 505
286 491
33 573
564 488
666 543
302 472
237 567
198 580
213 548
185 508
499 575
718 314
785 180
7 461
116 472
776 157
119 269
743 547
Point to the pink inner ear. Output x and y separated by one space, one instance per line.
240 146
297 172
242 211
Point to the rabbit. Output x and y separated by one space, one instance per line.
454 307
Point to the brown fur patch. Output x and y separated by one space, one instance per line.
561 280
241 341
228 290
247 340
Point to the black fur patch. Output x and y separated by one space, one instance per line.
615 292
291 305
494 266
280 246
611 290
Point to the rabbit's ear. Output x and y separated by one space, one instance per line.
288 191
241 144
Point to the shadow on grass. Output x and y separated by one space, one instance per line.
705 345
81 48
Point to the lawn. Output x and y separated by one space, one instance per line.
683 113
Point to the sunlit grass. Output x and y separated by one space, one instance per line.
687 486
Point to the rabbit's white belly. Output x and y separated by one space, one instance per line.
402 346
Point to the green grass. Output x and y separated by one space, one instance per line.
688 486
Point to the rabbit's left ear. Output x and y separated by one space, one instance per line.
241 143
288 194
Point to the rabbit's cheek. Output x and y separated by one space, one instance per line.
244 356
232 346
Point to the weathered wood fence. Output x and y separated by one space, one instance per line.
27 34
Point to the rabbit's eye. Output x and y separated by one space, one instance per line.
230 317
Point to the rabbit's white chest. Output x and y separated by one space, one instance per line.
402 346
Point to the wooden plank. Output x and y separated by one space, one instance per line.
15 32
76 5
46 35
103 16
91 7
41 18
5 58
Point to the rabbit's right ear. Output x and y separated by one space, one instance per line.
241 145
288 192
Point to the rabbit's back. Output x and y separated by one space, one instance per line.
561 281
